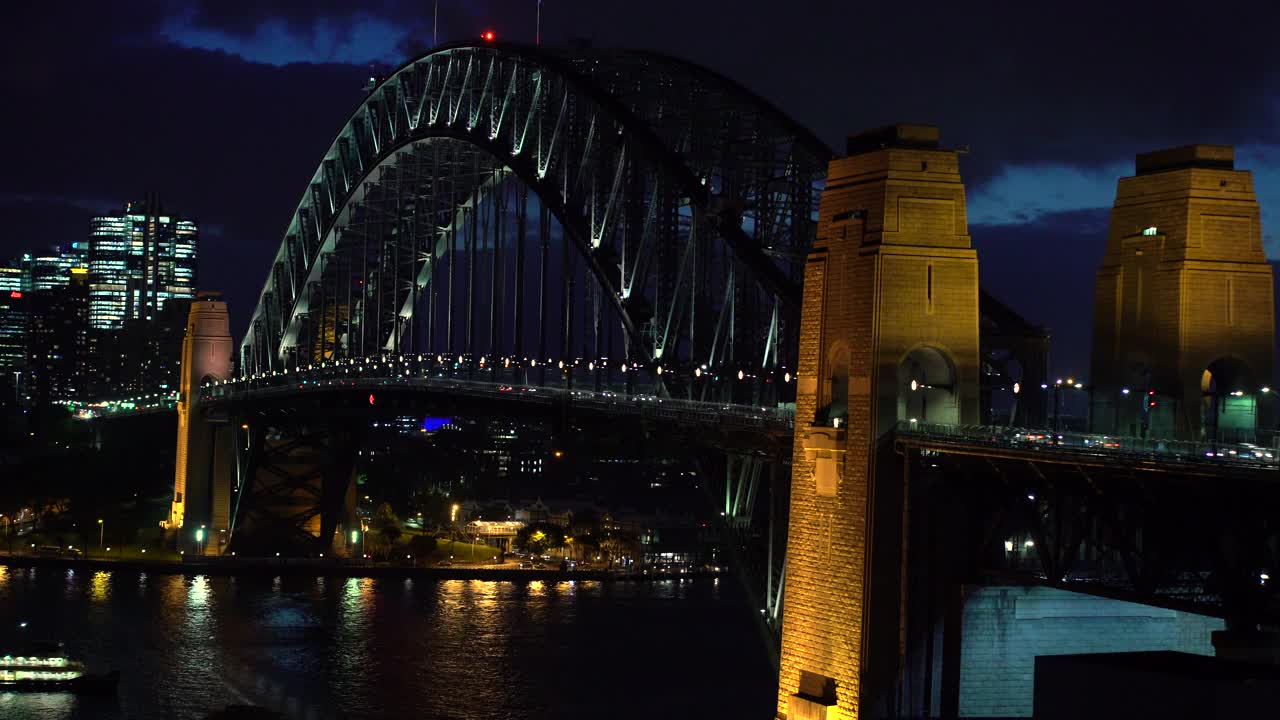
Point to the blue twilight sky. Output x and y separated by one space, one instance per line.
226 106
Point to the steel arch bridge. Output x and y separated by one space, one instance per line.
613 211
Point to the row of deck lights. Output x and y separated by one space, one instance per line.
507 362
1071 383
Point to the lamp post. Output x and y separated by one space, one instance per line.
1115 427
1275 414
100 530
1057 400
1088 403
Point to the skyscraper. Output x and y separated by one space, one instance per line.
138 262
57 342
53 270
13 334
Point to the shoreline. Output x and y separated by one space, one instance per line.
329 568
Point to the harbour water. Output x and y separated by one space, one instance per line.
329 648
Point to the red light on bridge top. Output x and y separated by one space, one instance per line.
487 36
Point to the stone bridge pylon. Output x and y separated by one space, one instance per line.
889 331
201 509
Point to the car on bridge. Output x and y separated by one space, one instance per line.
1257 451
1031 438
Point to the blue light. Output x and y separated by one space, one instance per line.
431 424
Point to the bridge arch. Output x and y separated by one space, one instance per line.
679 235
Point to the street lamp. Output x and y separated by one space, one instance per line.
1275 413
1057 400
100 527
1115 426
200 540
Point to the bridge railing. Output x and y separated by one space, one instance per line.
1204 451
140 405
609 401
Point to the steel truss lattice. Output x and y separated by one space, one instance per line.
533 207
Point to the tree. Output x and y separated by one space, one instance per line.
616 544
586 546
422 545
384 516
391 533
387 526
538 537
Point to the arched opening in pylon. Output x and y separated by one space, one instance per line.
1228 401
927 388
833 390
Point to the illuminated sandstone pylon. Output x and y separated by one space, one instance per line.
1184 323
889 333
202 476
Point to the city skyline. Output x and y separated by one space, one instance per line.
484 356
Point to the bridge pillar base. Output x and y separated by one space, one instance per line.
1244 645
806 708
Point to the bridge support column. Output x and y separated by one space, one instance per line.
298 493
205 446
1184 325
889 331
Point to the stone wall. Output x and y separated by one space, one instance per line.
1005 628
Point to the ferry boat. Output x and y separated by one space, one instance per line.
46 668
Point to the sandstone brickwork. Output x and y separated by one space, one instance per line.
892 274
1184 283
206 354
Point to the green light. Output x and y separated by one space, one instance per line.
355 535
200 535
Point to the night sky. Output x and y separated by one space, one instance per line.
226 107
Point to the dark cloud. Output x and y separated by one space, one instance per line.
300 16
1085 83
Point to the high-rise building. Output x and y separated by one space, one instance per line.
141 357
58 340
138 262
13 321
53 270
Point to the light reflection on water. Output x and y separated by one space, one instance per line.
360 647
198 592
101 587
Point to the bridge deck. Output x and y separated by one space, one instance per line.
778 420
1088 449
